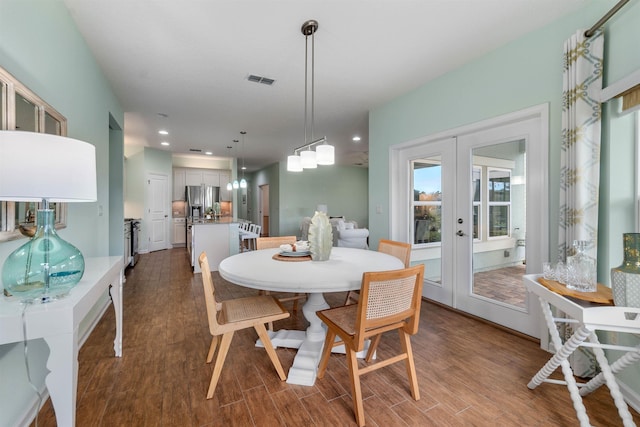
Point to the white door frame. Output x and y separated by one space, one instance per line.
537 184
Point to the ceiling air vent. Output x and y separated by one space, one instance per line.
195 150
260 79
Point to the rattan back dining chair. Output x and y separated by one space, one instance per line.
400 250
276 242
389 300
226 317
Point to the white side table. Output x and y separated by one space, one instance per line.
57 323
587 318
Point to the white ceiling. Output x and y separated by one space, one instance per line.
190 59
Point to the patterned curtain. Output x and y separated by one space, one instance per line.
580 158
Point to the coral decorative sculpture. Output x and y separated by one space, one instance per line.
320 237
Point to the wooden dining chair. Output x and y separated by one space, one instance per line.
226 317
400 250
276 242
389 300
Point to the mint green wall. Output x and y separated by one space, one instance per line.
344 189
292 196
41 47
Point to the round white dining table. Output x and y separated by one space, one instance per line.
342 272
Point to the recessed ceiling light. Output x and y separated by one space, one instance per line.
208 153
163 132
356 138
164 143
244 168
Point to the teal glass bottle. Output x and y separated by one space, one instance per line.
44 268
625 279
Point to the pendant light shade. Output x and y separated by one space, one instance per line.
229 186
294 163
325 154
236 184
308 159
243 183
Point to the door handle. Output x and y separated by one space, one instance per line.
460 233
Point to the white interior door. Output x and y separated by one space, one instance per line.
158 212
474 193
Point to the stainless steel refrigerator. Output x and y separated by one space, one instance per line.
201 199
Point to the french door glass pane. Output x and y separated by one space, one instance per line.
498 264
427 200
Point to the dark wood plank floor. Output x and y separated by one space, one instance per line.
470 373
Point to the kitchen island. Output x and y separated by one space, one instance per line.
217 237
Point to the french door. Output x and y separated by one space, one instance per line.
477 210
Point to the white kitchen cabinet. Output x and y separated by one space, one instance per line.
179 232
179 182
218 240
225 195
193 177
211 178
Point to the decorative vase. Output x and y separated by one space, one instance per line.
44 268
625 279
320 237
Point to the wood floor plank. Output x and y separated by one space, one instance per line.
262 408
292 411
469 372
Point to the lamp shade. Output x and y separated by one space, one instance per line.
294 164
308 159
37 166
325 154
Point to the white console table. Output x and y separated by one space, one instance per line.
57 323
587 318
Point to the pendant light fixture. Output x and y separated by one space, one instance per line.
304 157
243 182
236 184
229 185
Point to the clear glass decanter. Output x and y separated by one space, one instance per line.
581 269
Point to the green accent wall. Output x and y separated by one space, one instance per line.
295 195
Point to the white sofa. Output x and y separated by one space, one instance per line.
345 233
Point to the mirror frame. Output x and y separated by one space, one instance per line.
9 86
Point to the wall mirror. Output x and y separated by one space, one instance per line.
21 109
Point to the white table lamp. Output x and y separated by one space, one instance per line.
37 167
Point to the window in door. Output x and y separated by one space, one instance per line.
427 201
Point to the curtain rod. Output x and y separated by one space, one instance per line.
591 31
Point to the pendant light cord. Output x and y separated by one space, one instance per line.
313 81
306 83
